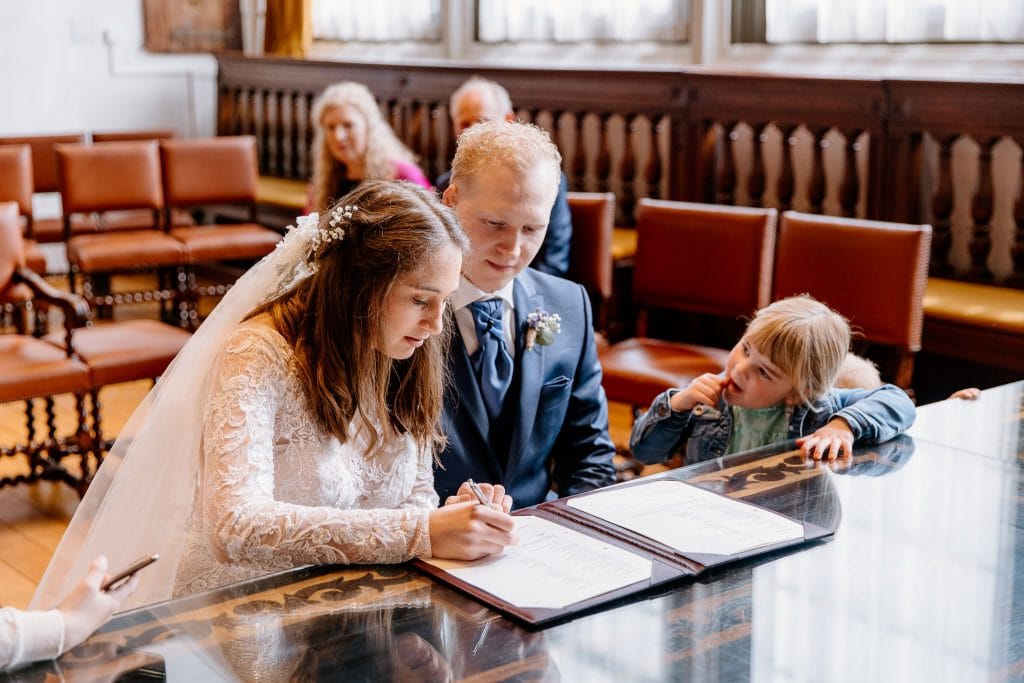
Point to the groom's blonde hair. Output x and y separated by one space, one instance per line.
522 147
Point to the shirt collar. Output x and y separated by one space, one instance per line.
467 293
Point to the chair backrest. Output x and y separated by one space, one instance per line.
590 253
12 251
44 160
703 258
872 272
16 176
209 170
127 135
109 176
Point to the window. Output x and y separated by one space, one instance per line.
893 21
378 21
575 21
585 32
963 38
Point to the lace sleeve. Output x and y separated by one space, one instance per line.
423 494
242 520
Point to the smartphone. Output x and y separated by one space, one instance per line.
119 578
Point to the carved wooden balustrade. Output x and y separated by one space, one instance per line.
885 149
942 118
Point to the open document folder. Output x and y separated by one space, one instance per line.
577 553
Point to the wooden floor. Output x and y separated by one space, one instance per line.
33 517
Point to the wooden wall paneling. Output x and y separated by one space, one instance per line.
986 113
818 104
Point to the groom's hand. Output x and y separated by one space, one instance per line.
494 494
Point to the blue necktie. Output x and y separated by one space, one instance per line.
492 362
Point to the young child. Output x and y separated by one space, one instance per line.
778 384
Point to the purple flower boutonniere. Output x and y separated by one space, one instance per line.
541 328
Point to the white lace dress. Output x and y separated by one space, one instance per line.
276 492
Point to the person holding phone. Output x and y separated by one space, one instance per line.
35 635
301 423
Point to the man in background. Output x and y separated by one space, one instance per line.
477 100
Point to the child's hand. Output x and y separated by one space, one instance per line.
968 394
834 440
705 389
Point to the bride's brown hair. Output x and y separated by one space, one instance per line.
333 318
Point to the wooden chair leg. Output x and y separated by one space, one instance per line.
97 426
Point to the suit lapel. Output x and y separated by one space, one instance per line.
530 365
467 388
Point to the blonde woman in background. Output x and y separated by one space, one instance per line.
354 143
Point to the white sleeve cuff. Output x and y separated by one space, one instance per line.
41 636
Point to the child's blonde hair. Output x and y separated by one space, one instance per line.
857 372
805 339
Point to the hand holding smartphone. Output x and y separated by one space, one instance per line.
119 578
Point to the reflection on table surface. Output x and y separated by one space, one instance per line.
922 582
991 425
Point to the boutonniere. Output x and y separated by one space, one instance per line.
541 328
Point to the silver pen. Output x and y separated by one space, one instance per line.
475 488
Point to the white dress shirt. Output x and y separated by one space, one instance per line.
466 294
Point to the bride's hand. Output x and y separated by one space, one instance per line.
469 531
494 493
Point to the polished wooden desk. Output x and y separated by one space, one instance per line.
924 581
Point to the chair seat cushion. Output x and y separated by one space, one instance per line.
127 249
967 303
282 192
126 351
224 242
637 370
31 367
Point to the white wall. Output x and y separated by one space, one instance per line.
78 65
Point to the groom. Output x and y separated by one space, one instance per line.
527 409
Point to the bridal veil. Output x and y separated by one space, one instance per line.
141 499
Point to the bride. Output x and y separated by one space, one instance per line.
299 424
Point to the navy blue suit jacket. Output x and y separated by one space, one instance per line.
559 431
553 257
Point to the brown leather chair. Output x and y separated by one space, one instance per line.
697 258
44 158
32 369
134 220
124 351
200 173
44 179
117 176
16 186
590 253
872 272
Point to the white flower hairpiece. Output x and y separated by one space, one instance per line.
335 230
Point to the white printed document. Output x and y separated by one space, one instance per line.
689 519
551 567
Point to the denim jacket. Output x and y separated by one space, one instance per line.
874 416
